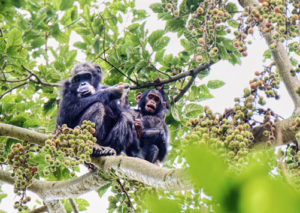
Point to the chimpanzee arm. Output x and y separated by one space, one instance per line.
158 137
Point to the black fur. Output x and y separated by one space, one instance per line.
154 131
100 106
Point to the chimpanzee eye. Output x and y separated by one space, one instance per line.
157 99
150 96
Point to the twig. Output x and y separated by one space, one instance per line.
38 80
159 70
40 209
185 89
126 194
14 81
8 91
72 23
103 43
121 72
73 205
2 69
1 32
196 71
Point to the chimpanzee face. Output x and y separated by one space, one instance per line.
152 102
84 85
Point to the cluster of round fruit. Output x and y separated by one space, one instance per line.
23 173
69 147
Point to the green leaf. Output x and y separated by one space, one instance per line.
66 4
231 7
207 169
214 84
155 205
192 110
80 45
175 113
14 38
159 55
101 191
82 204
175 25
2 196
157 8
154 36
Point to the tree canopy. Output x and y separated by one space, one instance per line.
217 161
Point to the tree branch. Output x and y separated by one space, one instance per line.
283 133
116 68
191 72
73 205
126 167
22 134
38 80
11 89
282 60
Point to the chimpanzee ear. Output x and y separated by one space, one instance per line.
98 68
138 97
164 104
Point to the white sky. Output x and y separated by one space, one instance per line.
236 78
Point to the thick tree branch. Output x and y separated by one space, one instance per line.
126 167
173 78
283 133
22 134
282 60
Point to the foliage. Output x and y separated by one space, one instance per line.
40 41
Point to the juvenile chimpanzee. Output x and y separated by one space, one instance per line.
83 98
150 126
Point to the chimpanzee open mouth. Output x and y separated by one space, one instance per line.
151 106
85 93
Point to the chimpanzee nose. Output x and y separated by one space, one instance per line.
82 84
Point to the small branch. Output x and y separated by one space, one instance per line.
1 32
38 80
40 209
11 89
174 77
160 71
126 194
15 81
185 89
121 72
73 205
103 43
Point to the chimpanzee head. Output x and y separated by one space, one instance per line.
85 79
150 102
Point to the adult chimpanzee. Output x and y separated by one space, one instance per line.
150 126
83 98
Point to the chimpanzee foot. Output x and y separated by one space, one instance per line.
99 151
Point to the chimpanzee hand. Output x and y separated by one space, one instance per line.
138 127
99 151
158 80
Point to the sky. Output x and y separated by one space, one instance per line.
236 78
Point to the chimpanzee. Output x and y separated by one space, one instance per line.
83 98
150 126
